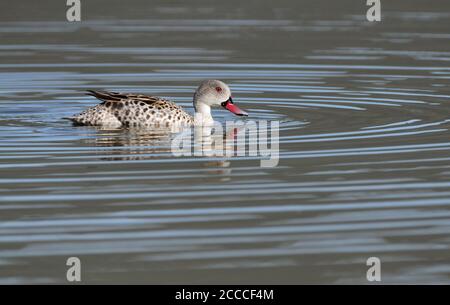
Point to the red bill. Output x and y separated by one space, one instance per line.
230 106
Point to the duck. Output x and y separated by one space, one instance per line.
131 110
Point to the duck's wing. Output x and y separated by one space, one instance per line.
108 96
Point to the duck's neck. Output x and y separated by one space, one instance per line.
203 113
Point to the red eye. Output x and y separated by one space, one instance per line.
218 89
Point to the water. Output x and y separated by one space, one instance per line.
364 144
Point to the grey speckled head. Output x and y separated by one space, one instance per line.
214 93
211 93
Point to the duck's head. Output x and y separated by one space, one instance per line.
213 93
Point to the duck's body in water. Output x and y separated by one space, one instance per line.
136 110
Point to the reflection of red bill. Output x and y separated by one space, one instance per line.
233 108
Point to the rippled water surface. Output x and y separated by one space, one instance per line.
364 144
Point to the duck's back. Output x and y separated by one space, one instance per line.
132 110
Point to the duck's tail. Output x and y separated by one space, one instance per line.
75 121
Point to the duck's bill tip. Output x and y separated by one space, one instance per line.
235 109
242 114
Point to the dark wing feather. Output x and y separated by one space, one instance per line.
107 96
104 95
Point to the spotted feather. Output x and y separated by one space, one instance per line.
132 110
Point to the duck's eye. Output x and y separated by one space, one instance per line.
223 104
218 89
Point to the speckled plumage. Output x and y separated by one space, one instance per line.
132 110
141 111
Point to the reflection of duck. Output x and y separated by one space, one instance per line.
138 144
203 141
135 110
